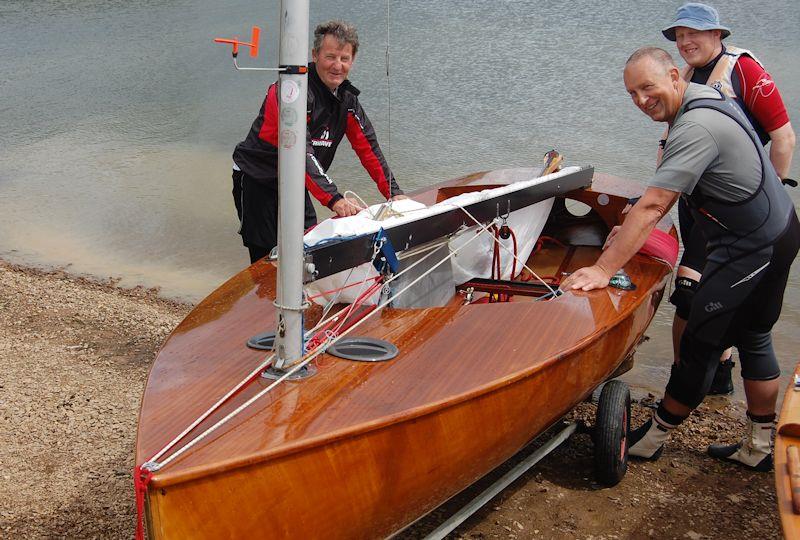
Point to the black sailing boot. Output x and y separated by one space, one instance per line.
755 450
722 385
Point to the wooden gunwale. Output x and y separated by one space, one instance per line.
785 437
165 478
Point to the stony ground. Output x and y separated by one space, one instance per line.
74 355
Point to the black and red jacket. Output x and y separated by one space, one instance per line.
329 117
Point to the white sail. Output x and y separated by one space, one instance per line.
475 261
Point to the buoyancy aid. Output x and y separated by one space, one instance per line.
735 229
721 78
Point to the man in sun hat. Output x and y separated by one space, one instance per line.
698 34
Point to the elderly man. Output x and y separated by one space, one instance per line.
737 73
712 159
333 112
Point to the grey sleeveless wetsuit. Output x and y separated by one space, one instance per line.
715 159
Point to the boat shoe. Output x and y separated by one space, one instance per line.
753 452
647 441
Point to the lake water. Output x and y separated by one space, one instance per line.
119 118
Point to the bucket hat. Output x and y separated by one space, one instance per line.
698 17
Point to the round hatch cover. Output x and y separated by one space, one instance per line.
363 349
262 342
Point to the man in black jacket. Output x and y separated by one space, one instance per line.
333 112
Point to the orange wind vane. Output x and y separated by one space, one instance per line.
236 43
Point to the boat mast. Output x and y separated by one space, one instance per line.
293 84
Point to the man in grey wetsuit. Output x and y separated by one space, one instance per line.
700 40
713 159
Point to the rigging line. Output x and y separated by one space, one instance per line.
154 466
431 250
362 201
153 463
389 94
253 374
332 302
524 265
257 371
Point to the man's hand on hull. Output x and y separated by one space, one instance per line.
586 279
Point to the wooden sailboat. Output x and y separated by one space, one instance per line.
336 448
362 449
787 459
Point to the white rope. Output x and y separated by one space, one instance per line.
389 97
497 241
208 412
333 300
153 465
356 196
429 248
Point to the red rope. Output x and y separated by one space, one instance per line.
141 479
514 261
322 334
345 287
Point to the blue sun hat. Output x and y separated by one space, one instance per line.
698 17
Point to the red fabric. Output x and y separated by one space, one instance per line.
366 154
661 245
141 478
760 94
320 194
269 127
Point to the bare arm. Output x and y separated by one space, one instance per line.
633 233
782 148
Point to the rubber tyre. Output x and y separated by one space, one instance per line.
612 425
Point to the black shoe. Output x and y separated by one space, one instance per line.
725 451
722 385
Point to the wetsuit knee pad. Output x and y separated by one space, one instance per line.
757 356
682 296
692 377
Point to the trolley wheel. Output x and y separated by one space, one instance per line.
612 425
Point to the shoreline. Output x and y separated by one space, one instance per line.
74 356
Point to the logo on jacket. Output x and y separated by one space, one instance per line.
764 87
713 306
323 140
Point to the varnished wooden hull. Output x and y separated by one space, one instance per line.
787 434
361 450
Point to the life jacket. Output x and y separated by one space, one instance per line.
735 229
721 79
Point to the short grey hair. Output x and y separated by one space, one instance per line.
657 54
343 32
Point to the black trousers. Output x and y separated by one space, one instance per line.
735 306
257 207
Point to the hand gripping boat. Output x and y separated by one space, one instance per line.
438 388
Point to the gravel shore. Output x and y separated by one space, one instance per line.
74 355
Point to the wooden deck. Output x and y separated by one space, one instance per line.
363 449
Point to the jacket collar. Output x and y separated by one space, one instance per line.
344 88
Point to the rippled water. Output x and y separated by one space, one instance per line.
119 118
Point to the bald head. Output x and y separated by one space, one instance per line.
654 83
659 56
